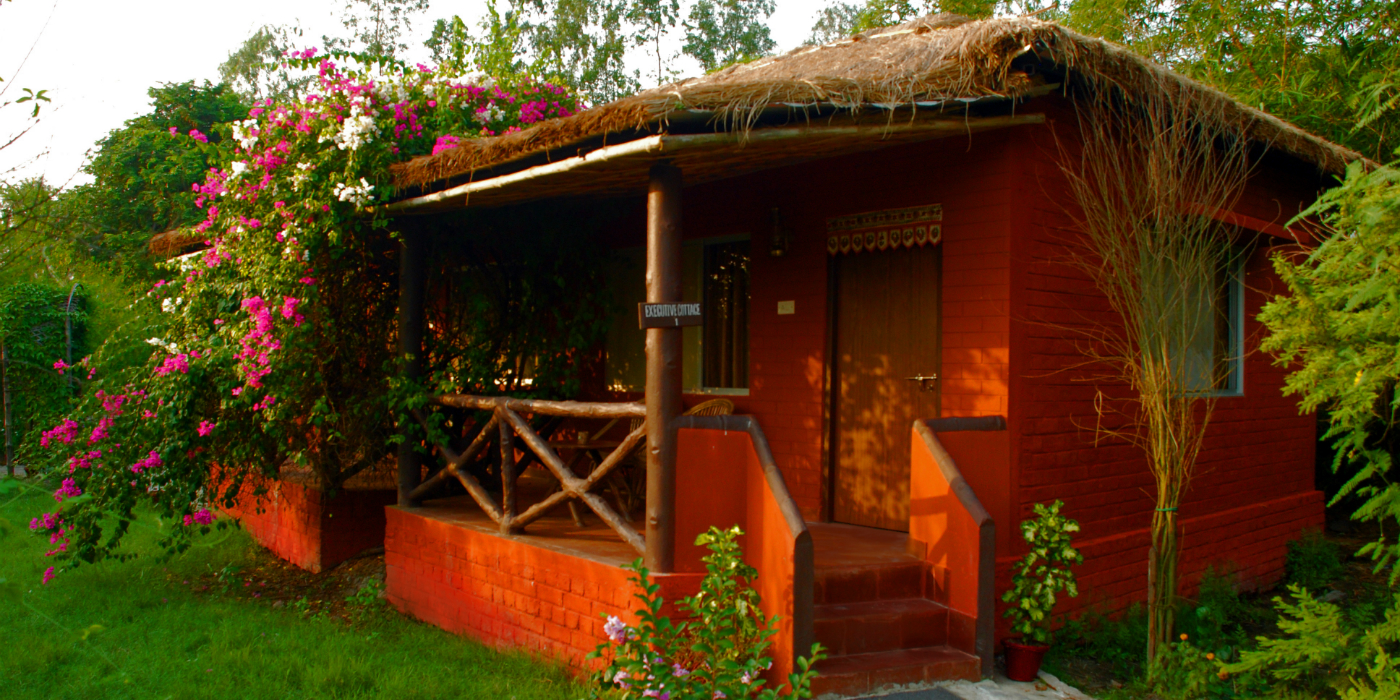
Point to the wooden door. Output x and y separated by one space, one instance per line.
887 330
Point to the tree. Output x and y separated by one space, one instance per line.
256 72
723 32
377 27
652 20
1337 331
1143 177
835 22
143 172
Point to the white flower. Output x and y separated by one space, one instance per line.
171 348
238 168
489 113
169 305
356 130
358 195
243 133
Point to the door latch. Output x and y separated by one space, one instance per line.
924 381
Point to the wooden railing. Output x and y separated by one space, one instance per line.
507 424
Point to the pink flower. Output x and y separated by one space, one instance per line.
64 432
67 490
205 427
194 134
150 462
60 365
200 517
308 280
48 575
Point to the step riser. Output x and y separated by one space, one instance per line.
864 634
852 682
834 586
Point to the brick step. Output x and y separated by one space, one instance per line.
847 629
901 578
847 676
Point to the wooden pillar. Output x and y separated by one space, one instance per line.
412 282
663 394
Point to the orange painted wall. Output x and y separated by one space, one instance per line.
505 592
719 481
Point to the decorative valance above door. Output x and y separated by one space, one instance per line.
885 230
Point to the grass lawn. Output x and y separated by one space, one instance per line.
160 627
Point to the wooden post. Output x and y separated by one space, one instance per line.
5 377
68 334
508 502
412 282
663 393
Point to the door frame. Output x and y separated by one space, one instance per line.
828 465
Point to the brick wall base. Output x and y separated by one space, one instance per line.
1249 543
303 525
506 592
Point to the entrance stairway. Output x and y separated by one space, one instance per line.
875 617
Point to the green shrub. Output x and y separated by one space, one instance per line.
1313 562
719 652
1323 654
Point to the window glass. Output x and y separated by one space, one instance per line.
714 355
1211 360
726 338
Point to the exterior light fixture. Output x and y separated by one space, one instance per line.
778 247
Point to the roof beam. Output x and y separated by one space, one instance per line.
664 145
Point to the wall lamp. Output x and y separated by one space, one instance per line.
778 247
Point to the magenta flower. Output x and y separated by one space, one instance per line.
205 427
194 134
48 575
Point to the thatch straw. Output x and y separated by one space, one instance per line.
931 59
176 241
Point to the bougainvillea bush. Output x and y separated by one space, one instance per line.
275 342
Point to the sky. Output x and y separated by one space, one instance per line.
96 59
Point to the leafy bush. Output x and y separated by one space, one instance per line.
1313 561
719 652
1324 654
1117 641
1043 573
1213 622
1185 671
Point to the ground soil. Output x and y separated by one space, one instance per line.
340 593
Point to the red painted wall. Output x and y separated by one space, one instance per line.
788 353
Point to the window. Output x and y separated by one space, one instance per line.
715 356
1212 361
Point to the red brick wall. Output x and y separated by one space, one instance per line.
301 524
1253 490
507 593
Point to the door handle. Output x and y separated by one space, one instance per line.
923 381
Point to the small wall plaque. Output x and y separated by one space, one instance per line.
669 315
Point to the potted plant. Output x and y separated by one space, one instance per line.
1043 573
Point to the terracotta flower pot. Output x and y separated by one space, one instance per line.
1023 660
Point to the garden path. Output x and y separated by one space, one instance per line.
999 688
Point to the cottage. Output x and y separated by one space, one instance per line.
856 252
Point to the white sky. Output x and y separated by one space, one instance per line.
96 58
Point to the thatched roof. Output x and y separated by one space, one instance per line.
930 62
